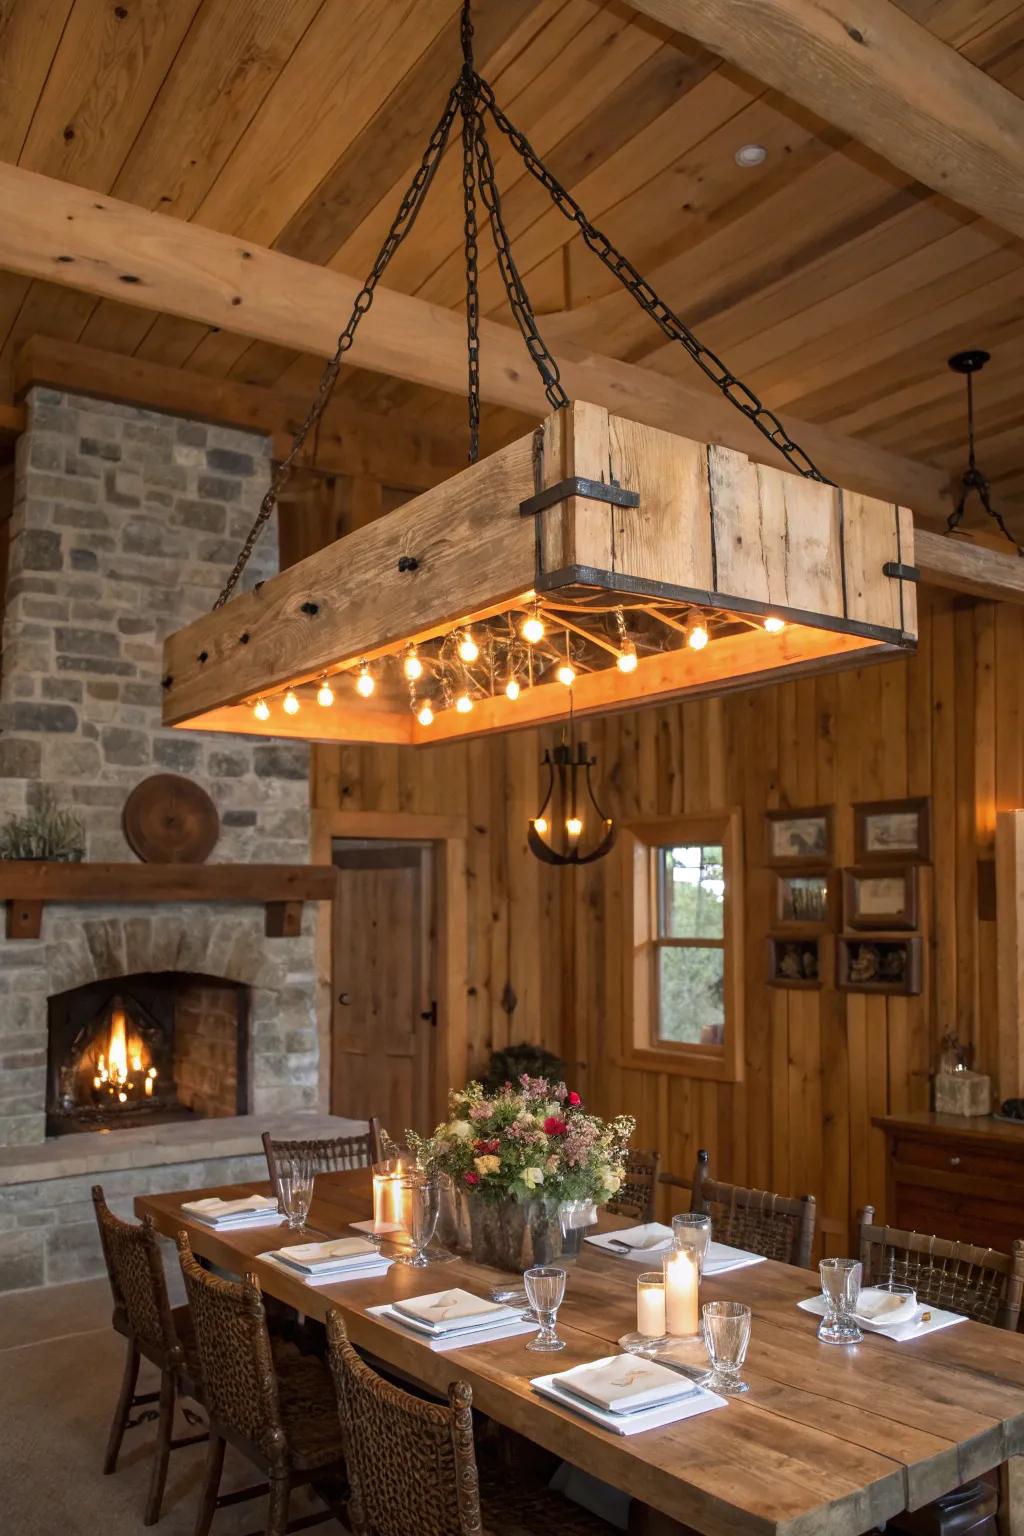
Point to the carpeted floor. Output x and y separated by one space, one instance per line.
60 1369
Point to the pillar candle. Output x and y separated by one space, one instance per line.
681 1281
650 1309
388 1203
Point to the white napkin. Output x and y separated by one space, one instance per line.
452 1310
380 1266
336 1253
926 1320
887 1308
701 1401
214 1207
506 1328
624 1383
645 1241
720 1259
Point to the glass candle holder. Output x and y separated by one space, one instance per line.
692 1230
650 1315
389 1196
681 1270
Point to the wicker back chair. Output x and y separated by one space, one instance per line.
330 1154
776 1226
272 1403
412 1464
978 1282
154 1331
636 1195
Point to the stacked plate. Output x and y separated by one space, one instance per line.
627 1394
223 1215
340 1258
446 1319
648 1243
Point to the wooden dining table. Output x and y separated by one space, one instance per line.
829 1440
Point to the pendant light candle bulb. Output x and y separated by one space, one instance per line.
774 625
412 666
573 826
364 682
566 674
468 648
261 709
512 689
626 660
290 704
532 630
425 715
697 636
540 825
463 703
325 694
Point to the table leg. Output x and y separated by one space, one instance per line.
1011 1497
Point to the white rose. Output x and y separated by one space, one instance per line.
532 1177
461 1130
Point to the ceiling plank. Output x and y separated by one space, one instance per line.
874 72
102 246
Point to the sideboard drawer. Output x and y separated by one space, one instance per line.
948 1155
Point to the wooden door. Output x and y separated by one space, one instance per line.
384 1046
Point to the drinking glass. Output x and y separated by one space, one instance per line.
726 1335
840 1286
421 1203
545 1289
295 1175
692 1230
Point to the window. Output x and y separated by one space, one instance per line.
684 987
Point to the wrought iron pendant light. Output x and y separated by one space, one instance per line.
570 818
967 364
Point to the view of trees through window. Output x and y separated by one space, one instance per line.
690 944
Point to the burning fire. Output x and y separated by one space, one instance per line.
121 1071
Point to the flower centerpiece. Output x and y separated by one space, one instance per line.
527 1166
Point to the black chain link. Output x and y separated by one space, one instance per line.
669 323
403 222
972 478
470 125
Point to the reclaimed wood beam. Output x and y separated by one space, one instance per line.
870 69
67 234
963 566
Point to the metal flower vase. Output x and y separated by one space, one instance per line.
514 1235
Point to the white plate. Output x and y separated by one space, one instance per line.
877 1306
493 1331
657 1240
336 1277
702 1401
917 1328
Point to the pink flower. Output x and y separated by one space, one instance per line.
575 1100
555 1127
471 1179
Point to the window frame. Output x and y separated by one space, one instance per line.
641 1045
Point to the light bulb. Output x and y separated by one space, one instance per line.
532 630
364 682
291 703
468 648
261 709
697 636
774 625
463 703
425 715
540 825
512 689
566 674
412 666
573 826
325 694
626 660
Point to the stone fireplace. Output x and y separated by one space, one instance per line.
125 525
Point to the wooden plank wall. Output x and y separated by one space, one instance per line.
547 947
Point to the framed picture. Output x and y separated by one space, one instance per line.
890 965
892 832
798 838
880 898
794 962
802 900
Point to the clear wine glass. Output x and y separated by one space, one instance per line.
692 1230
295 1177
726 1335
840 1286
421 1202
545 1290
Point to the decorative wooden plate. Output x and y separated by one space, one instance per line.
170 820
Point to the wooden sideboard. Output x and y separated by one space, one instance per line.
955 1176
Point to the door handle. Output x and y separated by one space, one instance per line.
344 999
430 1015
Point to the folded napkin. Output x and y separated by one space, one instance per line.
887 1308
379 1266
720 1259
450 1311
926 1319
485 1333
651 1238
698 1401
624 1383
214 1206
337 1253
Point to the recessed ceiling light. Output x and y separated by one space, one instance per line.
750 154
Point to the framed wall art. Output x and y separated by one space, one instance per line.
803 899
892 832
794 962
891 965
798 838
880 898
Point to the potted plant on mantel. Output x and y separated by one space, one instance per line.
46 832
527 1166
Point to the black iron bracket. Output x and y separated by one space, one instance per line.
576 485
900 572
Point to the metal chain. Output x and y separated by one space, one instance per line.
515 289
669 323
972 479
470 127
403 222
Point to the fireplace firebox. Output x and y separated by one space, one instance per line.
145 1049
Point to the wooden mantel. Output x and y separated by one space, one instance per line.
282 888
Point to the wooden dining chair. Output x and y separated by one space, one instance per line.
778 1227
154 1331
412 1464
979 1283
635 1196
272 1403
330 1154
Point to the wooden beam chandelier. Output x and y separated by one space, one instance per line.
596 558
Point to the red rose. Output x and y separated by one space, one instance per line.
471 1178
555 1127
487 1146
575 1100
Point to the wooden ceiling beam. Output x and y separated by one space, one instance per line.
962 565
69 235
871 70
